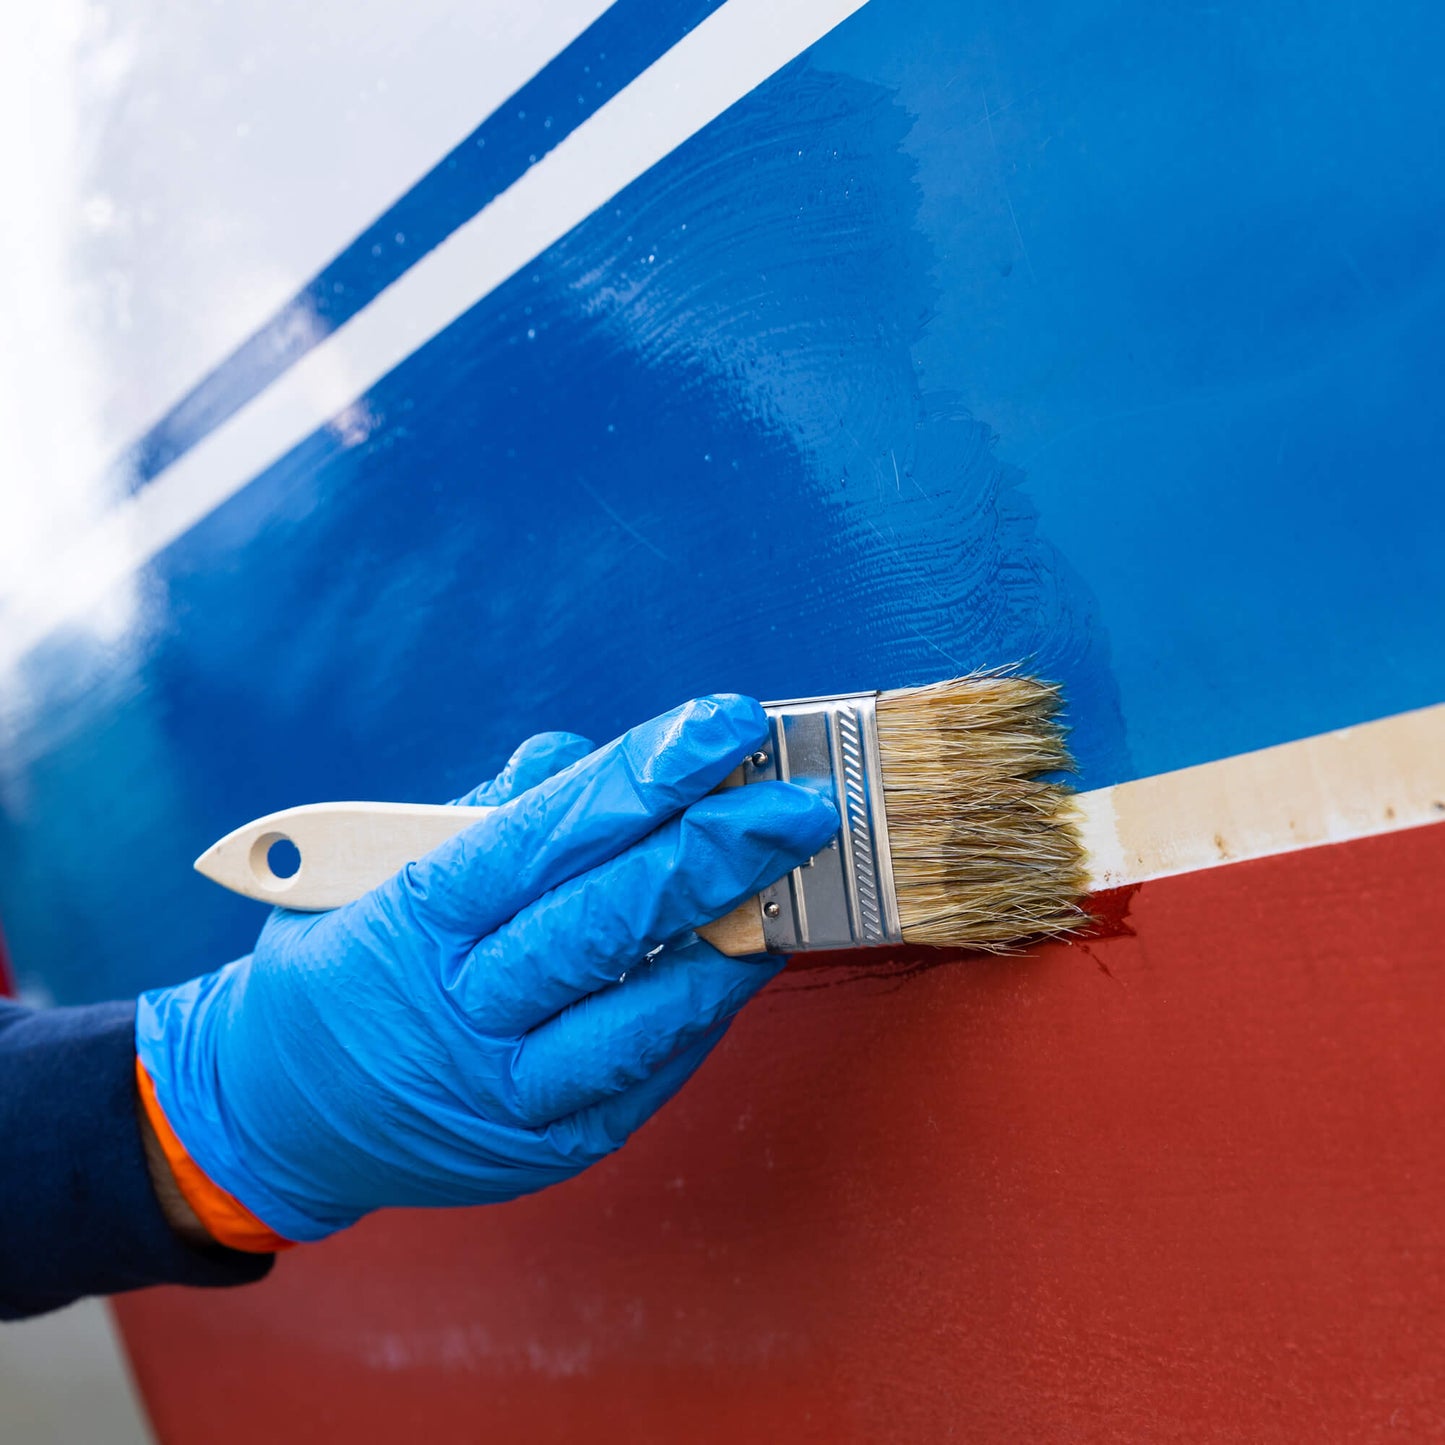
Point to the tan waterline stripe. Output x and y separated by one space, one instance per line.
1379 777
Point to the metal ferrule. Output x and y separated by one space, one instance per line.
844 896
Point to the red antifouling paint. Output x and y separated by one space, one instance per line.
1195 1197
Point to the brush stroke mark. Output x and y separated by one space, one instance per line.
883 970
723 357
806 309
1200 200
1109 913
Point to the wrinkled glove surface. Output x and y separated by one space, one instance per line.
494 1018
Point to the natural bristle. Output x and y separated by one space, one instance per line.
985 852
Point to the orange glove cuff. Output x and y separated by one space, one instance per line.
226 1219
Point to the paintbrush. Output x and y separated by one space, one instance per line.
954 830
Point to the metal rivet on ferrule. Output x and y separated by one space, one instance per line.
772 909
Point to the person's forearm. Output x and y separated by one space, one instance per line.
83 1211
178 1214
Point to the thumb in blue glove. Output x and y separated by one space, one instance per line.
502 1013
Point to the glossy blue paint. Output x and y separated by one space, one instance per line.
1076 334
1192 271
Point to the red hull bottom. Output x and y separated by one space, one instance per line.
1183 1182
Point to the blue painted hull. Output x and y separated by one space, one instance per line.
1106 338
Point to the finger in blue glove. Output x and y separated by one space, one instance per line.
534 762
465 1032
579 817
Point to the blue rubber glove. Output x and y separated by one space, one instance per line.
465 1033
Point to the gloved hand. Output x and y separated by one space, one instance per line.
494 1018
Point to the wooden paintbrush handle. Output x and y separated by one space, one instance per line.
348 848
739 932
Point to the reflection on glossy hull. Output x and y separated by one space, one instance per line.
877 343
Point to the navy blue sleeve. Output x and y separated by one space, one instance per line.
79 1215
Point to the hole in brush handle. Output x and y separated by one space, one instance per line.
269 851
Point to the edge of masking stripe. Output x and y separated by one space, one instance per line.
1379 777
714 66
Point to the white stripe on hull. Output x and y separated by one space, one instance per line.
729 54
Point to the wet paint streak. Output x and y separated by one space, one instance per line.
616 48
685 451
1109 913
1011 1200
812 340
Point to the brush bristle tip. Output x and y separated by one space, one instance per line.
985 847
